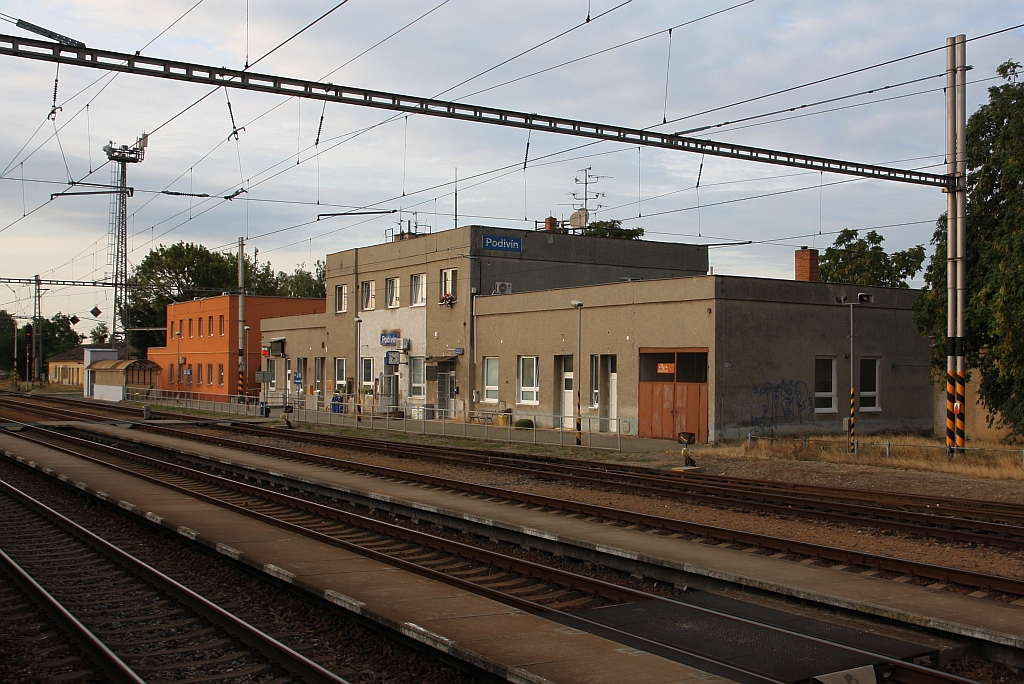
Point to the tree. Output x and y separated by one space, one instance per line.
862 261
186 270
99 333
57 335
7 337
613 229
995 256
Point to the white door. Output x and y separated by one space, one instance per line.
613 398
568 402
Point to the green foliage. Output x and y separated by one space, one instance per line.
995 255
524 423
862 261
613 229
186 270
57 335
99 334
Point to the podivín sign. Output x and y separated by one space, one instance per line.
503 244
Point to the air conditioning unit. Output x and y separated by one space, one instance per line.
404 344
503 288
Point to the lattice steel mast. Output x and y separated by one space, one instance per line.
120 157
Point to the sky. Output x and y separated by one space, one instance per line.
722 52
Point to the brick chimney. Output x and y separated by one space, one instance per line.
807 265
551 224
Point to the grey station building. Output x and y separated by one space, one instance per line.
477 320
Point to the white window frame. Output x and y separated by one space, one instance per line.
418 289
822 395
368 295
340 379
449 282
364 363
393 292
272 369
595 380
340 298
417 367
523 392
491 390
877 408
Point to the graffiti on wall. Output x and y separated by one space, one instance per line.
786 402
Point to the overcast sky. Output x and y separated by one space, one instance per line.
753 49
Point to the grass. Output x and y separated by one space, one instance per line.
907 452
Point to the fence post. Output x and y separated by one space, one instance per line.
888 449
618 434
534 429
856 447
749 439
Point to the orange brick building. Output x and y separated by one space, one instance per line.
201 355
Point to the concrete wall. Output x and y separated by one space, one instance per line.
769 334
108 392
305 337
557 260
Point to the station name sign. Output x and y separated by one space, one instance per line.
501 243
389 339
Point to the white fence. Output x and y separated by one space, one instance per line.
362 412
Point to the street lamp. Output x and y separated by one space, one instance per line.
862 298
578 305
356 397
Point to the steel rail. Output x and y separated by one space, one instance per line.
102 657
292 87
255 639
932 516
900 671
793 503
885 563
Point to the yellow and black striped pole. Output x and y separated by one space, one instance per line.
950 415
852 443
961 432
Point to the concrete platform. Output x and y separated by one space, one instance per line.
977 618
509 643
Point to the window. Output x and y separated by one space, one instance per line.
449 282
209 327
529 380
199 372
595 379
367 297
417 377
188 375
391 293
418 289
490 379
172 331
869 385
222 325
181 327
209 374
170 374
340 298
825 386
272 369
220 368
339 375
367 373
200 326
190 327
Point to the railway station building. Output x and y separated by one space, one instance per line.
477 321
201 356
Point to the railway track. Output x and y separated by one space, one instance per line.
529 586
134 623
958 520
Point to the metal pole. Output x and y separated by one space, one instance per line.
577 374
951 245
241 316
852 432
961 240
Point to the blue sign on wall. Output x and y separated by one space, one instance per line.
503 244
389 339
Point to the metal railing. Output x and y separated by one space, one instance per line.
367 412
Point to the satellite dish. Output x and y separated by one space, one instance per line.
579 219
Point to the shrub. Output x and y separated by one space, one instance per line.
524 423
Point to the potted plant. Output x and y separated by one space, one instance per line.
447 299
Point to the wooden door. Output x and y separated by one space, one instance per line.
668 408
